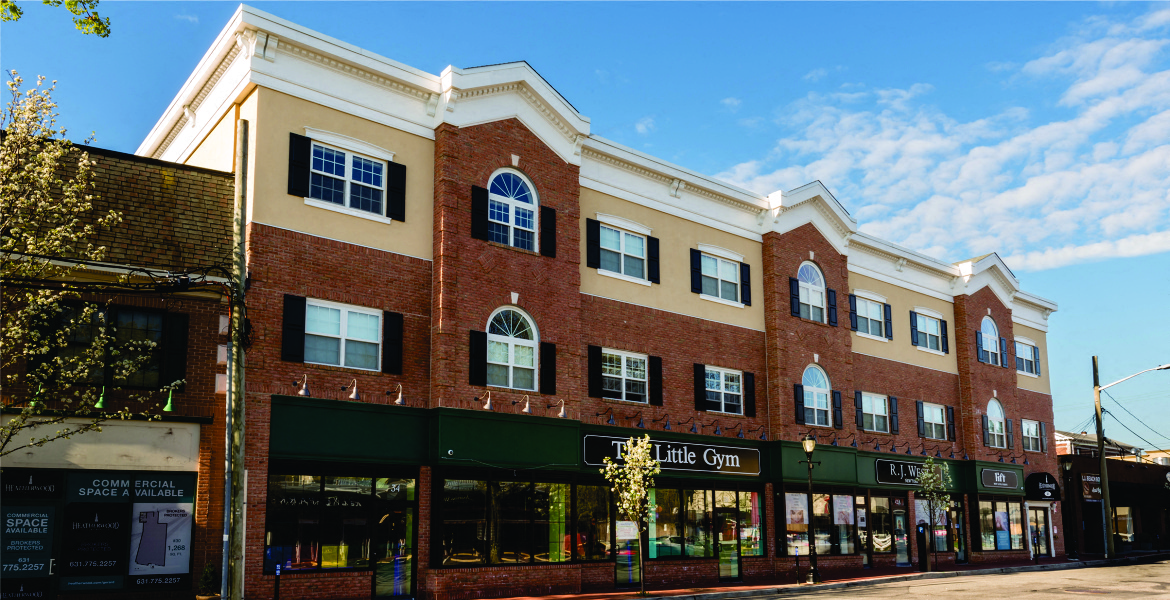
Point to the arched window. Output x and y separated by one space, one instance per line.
511 350
812 292
990 336
995 420
512 210
816 397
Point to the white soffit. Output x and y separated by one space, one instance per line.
145 445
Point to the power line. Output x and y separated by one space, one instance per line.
1156 432
1152 445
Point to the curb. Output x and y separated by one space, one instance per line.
808 589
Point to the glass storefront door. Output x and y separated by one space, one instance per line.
957 534
393 555
727 535
901 541
1038 528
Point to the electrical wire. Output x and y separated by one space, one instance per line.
1152 445
1156 432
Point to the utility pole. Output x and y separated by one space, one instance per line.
1107 507
234 578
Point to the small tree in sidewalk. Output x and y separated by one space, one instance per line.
932 481
631 477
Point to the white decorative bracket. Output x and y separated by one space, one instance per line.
190 114
579 143
845 240
451 96
899 264
676 187
270 44
760 216
432 105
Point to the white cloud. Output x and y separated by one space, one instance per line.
644 125
1094 185
731 104
816 74
189 18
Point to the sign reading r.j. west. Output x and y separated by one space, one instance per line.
679 456
898 472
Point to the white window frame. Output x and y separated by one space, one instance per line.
1035 425
813 393
994 341
325 141
874 400
719 261
1030 345
807 290
512 342
996 434
625 375
622 254
925 316
345 310
881 320
724 389
929 425
512 206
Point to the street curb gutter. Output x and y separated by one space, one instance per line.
808 589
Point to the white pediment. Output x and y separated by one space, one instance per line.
813 203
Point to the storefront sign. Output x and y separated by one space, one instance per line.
1091 487
679 456
999 478
1041 486
898 472
27 541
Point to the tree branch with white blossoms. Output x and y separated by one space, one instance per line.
632 477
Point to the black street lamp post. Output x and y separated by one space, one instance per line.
810 443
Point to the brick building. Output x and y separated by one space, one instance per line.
462 300
136 510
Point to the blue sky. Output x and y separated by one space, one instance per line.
1038 130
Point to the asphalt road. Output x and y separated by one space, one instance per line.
1130 581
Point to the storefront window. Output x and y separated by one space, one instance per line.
881 525
464 522
822 523
842 509
510 536
751 524
593 522
293 536
665 527
1001 525
1016 523
1123 523
697 533
797 520
938 524
345 537
551 523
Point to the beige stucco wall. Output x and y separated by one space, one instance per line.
218 149
119 445
1035 384
279 114
902 301
676 236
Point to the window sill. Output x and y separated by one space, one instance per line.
341 368
624 401
929 351
721 301
728 414
821 426
871 337
875 432
821 323
1027 374
347 211
624 277
513 248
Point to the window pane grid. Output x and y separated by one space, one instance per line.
875 413
725 388
364 188
342 337
720 278
511 213
870 318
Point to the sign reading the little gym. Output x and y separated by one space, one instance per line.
679 456
1000 478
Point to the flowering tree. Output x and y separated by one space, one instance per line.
55 346
632 477
85 16
932 480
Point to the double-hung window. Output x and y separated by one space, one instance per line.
934 421
875 413
1027 358
870 317
623 376
816 398
929 332
812 293
1031 433
511 357
720 278
996 438
623 252
989 336
347 179
725 389
512 211
342 335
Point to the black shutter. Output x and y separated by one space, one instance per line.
300 156
1003 353
945 344
889 318
292 338
655 381
798 398
893 415
396 191
548 232
696 271
174 351
745 284
1036 360
749 394
921 419
1011 440
477 358
986 432
950 423
700 386
548 368
852 312
594 371
479 213
838 416
392 333
652 260
913 328
794 295
833 307
979 347
857 404
1043 438
592 243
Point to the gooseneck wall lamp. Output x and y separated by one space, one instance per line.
302 385
666 426
562 414
397 401
609 412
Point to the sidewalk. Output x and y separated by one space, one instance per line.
872 577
